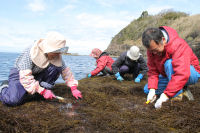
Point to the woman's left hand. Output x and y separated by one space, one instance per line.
75 92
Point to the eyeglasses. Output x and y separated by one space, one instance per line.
155 50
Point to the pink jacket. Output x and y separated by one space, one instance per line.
103 61
182 57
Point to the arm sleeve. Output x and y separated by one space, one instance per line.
68 77
28 82
181 67
100 65
152 72
24 65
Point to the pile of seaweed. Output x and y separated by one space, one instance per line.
107 106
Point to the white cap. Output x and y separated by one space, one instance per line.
134 53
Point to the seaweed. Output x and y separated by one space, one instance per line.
107 106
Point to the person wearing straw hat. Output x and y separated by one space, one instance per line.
103 61
131 62
37 69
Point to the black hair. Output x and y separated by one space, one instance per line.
151 34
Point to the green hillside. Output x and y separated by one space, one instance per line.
187 27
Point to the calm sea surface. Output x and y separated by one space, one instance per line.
80 65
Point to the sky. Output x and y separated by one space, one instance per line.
86 24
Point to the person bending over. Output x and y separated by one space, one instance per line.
172 65
130 62
103 61
36 71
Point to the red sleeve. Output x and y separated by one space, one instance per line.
181 67
101 63
152 72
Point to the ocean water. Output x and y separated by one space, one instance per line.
79 65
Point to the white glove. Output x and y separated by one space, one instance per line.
152 95
163 98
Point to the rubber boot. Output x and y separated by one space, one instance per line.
187 93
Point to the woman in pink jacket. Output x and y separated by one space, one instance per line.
104 62
37 69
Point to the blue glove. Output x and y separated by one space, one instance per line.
89 75
137 80
118 76
139 77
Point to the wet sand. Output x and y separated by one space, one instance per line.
107 106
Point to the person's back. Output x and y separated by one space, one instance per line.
105 58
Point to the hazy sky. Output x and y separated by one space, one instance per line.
86 24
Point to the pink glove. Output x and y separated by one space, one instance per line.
47 94
75 92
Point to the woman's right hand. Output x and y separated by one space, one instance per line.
47 94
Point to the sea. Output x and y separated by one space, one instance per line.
79 65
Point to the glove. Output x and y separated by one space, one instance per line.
152 95
89 75
47 94
75 92
139 77
137 80
163 98
118 76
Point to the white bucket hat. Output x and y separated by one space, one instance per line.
134 53
54 42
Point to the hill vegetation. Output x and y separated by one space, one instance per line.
187 27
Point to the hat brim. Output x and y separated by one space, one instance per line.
133 57
61 50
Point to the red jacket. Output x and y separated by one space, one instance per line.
103 61
182 57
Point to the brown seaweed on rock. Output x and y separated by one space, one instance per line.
107 106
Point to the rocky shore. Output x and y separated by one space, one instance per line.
107 106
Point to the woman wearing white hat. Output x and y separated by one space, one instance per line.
36 71
131 62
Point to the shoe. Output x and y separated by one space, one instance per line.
178 98
188 94
3 85
104 75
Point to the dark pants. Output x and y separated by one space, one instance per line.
126 69
15 92
106 71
